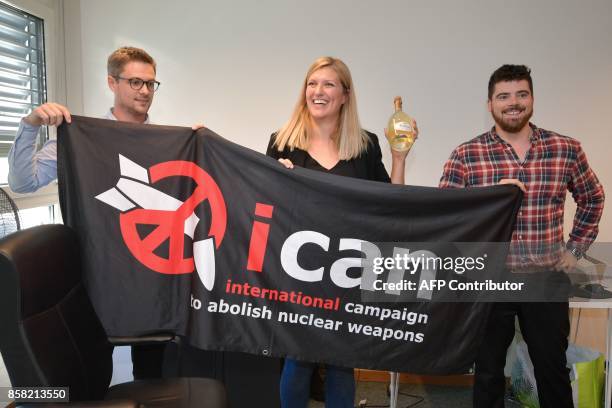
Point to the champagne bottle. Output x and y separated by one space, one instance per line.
400 131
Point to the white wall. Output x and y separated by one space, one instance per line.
237 65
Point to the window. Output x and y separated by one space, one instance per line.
48 214
22 75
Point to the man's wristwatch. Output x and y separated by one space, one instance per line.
577 253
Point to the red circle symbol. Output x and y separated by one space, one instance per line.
170 225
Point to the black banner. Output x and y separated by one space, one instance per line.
187 232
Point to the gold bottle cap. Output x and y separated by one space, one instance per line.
397 101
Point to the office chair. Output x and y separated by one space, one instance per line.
52 337
9 215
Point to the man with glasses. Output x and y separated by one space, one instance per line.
131 77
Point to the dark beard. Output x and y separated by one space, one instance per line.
512 127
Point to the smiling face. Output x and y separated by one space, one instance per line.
132 105
511 105
325 94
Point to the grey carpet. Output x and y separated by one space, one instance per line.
431 396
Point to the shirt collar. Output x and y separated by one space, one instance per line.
536 134
110 116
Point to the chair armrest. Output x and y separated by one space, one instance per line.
156 338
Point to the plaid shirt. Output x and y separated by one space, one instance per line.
553 164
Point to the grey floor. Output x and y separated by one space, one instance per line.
4 380
374 394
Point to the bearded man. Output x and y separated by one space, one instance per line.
545 165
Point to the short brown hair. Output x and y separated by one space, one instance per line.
507 73
123 55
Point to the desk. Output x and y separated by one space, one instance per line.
580 303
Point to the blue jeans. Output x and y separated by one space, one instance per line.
295 385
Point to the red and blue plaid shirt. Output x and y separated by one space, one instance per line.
553 165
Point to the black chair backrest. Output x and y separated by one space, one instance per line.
50 334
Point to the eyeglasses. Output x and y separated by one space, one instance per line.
137 83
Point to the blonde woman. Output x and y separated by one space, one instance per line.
324 134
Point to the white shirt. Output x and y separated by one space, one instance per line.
30 170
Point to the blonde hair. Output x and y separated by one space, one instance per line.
350 139
121 56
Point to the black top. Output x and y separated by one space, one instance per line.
367 166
